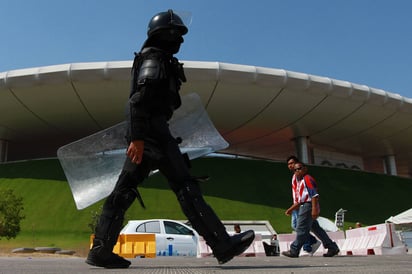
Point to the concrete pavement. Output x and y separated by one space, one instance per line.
339 264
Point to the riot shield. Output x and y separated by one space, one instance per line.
92 164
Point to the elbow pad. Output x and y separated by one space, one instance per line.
151 70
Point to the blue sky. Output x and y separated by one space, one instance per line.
366 42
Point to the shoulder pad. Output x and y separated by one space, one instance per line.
151 69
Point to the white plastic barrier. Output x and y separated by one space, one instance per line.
258 246
378 239
338 237
255 249
353 237
286 239
203 249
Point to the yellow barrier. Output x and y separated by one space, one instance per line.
134 245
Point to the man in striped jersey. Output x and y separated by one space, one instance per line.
312 244
308 204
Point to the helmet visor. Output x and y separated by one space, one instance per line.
186 17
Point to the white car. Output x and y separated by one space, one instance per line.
173 238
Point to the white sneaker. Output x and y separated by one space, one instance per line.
304 253
315 247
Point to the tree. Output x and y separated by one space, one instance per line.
11 208
95 219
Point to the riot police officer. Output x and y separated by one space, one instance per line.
156 79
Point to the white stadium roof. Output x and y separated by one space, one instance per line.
259 111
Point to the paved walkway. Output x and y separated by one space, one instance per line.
339 264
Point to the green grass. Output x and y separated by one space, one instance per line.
238 190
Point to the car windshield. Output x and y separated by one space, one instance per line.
176 228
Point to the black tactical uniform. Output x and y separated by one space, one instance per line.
156 80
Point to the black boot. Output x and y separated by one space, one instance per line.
103 256
237 244
333 250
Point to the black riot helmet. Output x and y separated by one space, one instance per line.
168 21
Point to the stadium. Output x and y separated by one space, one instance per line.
263 113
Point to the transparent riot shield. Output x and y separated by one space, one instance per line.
92 164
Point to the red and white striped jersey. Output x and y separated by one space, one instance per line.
303 189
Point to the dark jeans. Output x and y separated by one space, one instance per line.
305 224
311 240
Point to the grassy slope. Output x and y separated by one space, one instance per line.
238 190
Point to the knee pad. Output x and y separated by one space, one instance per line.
109 225
200 215
125 190
186 197
124 198
190 194
111 220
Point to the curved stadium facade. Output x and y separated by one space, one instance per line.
262 112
